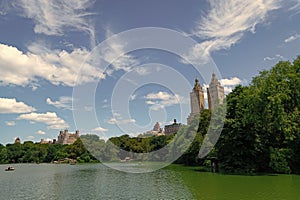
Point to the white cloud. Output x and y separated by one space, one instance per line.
64 102
120 121
200 52
276 57
227 90
292 38
40 132
150 102
100 129
230 82
161 100
144 71
61 67
49 118
225 24
12 106
54 17
10 123
268 58
227 83
227 18
115 54
57 66
160 95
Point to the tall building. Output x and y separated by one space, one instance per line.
65 137
156 127
215 93
197 101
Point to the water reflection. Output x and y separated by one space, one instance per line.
49 181
89 182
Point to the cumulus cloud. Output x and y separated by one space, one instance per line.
161 100
292 38
57 66
49 118
10 123
228 84
61 67
231 81
226 22
64 102
100 129
8 105
55 17
40 132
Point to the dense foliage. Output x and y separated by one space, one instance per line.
30 152
262 129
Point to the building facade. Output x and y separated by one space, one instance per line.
197 101
172 128
215 93
65 137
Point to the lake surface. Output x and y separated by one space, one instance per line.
95 181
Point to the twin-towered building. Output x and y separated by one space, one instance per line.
215 96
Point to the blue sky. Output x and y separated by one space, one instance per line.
48 50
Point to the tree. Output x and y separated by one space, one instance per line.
262 126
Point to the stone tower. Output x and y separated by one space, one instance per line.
197 101
215 93
156 127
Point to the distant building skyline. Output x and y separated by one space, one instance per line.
215 95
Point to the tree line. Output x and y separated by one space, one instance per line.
261 133
30 152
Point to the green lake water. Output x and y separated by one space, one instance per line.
95 181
